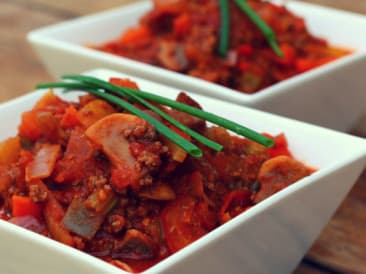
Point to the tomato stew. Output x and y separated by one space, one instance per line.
183 36
105 182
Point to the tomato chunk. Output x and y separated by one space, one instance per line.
235 202
183 223
24 206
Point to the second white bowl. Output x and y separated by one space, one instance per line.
332 95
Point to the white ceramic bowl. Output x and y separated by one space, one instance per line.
332 95
271 237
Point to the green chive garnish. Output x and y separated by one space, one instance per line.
235 127
102 89
224 28
190 148
135 96
265 29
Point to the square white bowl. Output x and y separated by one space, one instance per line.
271 237
332 95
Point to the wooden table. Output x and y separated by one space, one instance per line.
341 248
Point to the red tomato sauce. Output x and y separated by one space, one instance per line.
183 36
105 182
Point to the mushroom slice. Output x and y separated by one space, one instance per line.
278 173
110 133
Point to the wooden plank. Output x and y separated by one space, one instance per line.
20 69
342 244
358 6
75 7
306 268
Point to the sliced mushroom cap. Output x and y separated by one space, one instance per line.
278 173
135 245
110 134
159 192
113 135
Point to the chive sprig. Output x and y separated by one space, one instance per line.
113 94
133 95
189 147
224 28
266 30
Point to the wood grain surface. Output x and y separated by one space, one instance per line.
341 248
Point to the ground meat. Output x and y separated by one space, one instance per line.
37 194
172 56
115 223
148 161
79 243
141 132
96 182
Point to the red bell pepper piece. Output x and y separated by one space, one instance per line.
24 206
235 202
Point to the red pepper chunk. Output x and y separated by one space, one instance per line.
70 118
28 127
280 147
53 214
182 25
235 202
183 223
127 83
24 206
135 34
289 55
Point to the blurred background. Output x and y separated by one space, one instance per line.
341 248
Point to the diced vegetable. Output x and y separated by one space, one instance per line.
182 222
37 123
53 213
277 173
159 191
192 185
135 245
43 163
280 147
178 154
48 101
5 181
85 217
235 202
94 111
127 83
78 159
172 56
48 125
220 135
122 265
289 55
24 206
70 118
109 134
28 222
182 25
136 34
41 120
9 151
28 127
